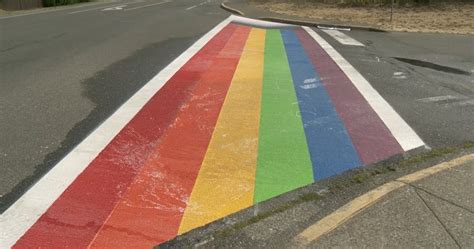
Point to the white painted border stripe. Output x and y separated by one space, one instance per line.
342 38
405 135
17 219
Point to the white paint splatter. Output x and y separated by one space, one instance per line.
399 75
311 80
309 86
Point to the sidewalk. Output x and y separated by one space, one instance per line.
436 211
422 204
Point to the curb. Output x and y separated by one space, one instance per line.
325 25
232 10
360 203
302 23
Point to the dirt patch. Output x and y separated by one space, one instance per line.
442 18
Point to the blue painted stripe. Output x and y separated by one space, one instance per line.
329 144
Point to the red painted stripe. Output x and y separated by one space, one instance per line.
370 136
151 210
76 216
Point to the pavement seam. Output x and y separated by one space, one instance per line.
437 218
359 204
439 197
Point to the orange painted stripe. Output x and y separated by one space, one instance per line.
150 212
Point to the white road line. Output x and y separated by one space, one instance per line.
17 219
98 8
148 5
438 98
192 7
399 75
405 135
197 5
342 38
120 7
466 102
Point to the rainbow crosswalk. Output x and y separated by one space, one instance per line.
254 113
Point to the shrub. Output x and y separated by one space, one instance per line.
50 3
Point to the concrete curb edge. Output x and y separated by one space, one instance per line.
232 10
326 25
302 23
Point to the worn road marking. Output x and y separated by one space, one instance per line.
197 5
438 98
120 7
449 100
466 102
145 6
342 38
399 75
354 207
98 8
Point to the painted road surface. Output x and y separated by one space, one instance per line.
252 110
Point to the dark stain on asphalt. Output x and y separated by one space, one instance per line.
107 89
433 66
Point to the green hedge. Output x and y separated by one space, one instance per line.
50 3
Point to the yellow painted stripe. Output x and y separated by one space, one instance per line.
226 180
349 210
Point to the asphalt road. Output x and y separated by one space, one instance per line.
427 78
65 71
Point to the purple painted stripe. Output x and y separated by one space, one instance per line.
372 139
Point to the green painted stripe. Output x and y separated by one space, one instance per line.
283 162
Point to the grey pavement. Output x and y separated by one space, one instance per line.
434 212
